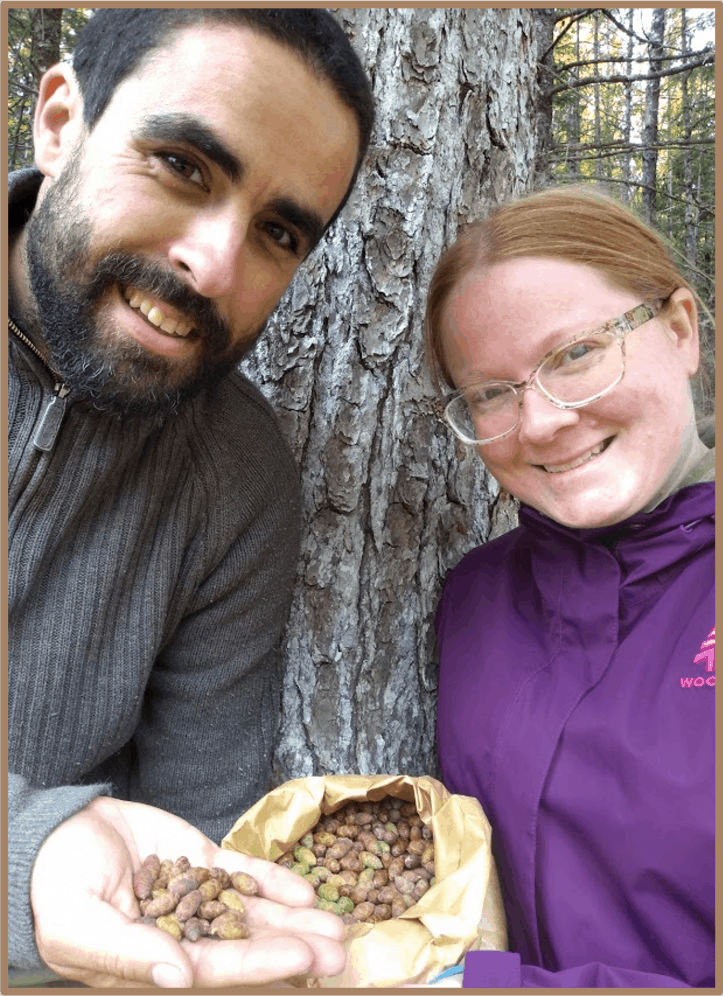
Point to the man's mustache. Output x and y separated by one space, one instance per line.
128 269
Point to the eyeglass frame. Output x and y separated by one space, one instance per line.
630 320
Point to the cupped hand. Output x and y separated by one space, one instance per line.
84 907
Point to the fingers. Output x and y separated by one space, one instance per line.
275 881
262 913
117 951
268 957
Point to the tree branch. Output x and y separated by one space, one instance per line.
591 80
642 58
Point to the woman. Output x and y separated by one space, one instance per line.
577 651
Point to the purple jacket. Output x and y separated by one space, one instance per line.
576 703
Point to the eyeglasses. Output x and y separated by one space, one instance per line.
570 376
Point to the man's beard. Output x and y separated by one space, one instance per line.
117 374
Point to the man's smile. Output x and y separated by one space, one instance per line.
159 314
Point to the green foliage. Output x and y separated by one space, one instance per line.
37 38
598 127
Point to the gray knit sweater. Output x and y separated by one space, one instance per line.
150 574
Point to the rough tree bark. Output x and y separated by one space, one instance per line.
389 505
650 118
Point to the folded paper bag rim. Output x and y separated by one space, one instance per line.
435 932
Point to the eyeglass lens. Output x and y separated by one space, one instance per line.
574 373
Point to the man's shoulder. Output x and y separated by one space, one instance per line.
234 427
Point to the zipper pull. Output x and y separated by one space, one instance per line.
51 419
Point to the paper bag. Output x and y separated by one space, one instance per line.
461 912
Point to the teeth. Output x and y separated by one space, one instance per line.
155 316
560 467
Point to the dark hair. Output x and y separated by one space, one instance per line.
116 41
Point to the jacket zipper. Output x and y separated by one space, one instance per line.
52 415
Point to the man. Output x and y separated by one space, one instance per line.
188 161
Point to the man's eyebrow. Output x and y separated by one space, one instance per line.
184 128
305 220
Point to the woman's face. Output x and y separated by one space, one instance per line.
590 466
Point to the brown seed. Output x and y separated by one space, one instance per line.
160 905
412 860
188 905
383 911
229 927
339 849
222 875
194 928
200 874
180 865
232 899
403 885
143 883
182 884
350 830
171 925
420 887
210 888
333 865
210 909
417 846
363 911
398 906
245 884
153 864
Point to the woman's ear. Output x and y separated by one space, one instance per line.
681 317
58 119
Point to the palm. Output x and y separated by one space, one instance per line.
89 934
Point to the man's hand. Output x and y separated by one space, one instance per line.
83 903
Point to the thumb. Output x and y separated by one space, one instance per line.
115 949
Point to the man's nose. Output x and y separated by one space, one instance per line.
209 252
540 419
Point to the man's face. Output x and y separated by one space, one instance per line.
174 227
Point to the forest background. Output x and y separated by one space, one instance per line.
474 105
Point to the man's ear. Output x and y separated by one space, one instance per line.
681 317
58 119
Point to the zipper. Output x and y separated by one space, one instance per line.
52 415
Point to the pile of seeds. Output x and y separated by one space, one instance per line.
192 902
368 861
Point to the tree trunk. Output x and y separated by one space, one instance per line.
46 39
691 235
596 89
626 193
390 502
650 120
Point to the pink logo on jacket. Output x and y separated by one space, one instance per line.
707 656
